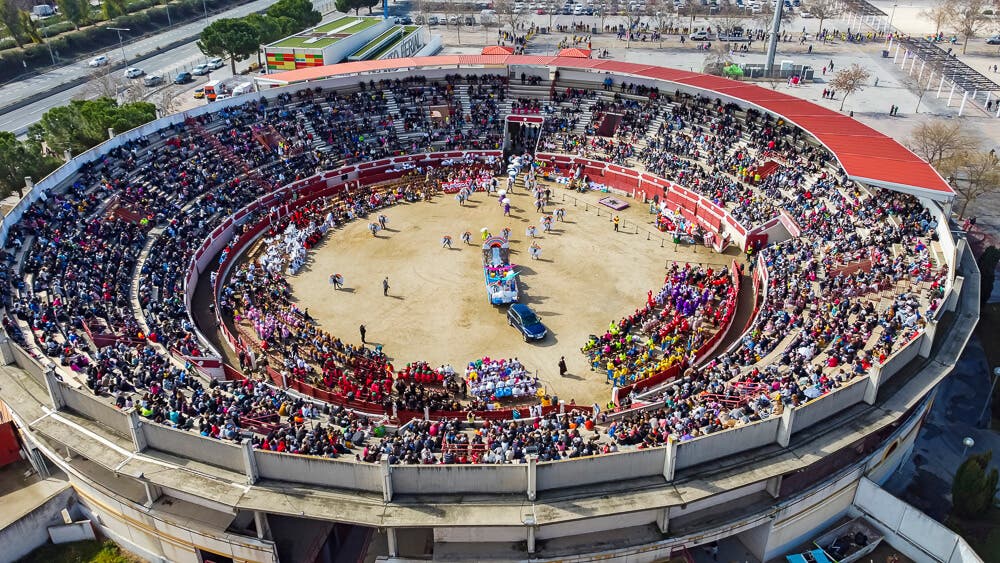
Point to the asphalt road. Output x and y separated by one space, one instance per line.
167 62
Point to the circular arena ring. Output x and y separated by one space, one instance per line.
197 285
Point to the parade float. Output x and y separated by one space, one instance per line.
501 279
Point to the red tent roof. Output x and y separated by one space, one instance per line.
575 53
497 50
864 153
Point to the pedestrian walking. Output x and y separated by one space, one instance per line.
385 286
616 220
562 366
383 221
446 241
362 330
467 237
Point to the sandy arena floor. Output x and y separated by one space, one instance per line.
437 309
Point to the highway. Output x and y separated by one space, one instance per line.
167 63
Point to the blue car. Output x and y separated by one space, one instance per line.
525 320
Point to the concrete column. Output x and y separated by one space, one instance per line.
531 540
53 385
386 478
263 527
152 491
427 413
998 110
874 381
395 413
670 459
390 536
921 73
961 107
67 155
888 44
988 95
532 476
111 133
940 86
928 341
135 430
284 380
6 352
774 486
785 426
895 56
37 461
663 520
249 462
951 94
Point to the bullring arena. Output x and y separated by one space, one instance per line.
749 341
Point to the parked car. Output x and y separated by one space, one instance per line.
700 35
805 15
183 78
201 70
452 20
421 20
433 20
133 72
199 93
521 317
99 61
406 20
216 63
153 80
470 20
995 40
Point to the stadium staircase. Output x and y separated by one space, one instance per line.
248 173
318 142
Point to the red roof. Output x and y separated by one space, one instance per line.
497 50
864 153
575 53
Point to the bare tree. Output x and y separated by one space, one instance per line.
508 14
728 22
717 58
691 9
454 10
978 173
940 13
103 83
663 17
167 101
968 18
938 140
850 80
824 10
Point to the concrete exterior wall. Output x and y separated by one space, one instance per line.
433 479
27 363
917 535
31 530
588 470
901 357
594 525
722 444
96 408
472 534
830 404
809 515
194 447
318 471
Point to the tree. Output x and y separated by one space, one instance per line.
235 39
11 20
850 80
824 10
268 29
967 16
973 489
29 27
977 173
301 11
940 13
938 140
664 17
77 12
84 123
19 159
113 8
507 13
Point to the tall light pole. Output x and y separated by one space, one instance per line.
121 42
892 13
204 6
772 45
45 32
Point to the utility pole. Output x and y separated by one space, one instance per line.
772 45
121 42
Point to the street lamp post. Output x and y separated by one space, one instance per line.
121 42
968 442
892 13
204 6
986 404
45 32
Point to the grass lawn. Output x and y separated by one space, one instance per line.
362 25
79 552
339 22
375 43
